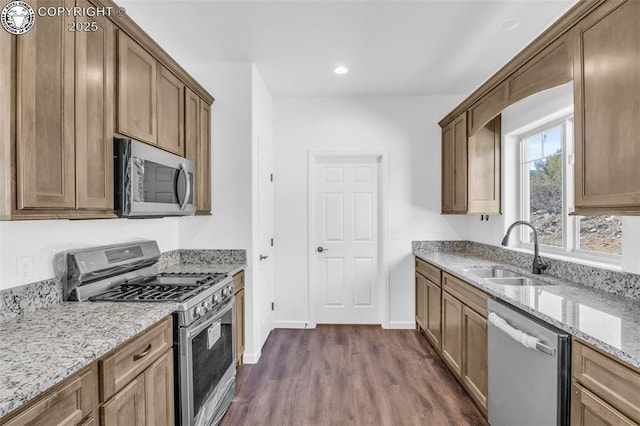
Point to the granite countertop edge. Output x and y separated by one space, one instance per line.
493 290
88 346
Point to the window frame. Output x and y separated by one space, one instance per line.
570 223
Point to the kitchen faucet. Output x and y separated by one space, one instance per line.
538 264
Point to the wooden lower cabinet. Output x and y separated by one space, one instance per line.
454 321
433 314
127 407
589 410
606 391
69 403
136 379
158 391
452 332
421 301
474 355
239 312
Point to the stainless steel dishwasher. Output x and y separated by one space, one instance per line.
529 369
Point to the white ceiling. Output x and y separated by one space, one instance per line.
393 47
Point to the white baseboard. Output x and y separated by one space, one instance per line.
401 325
251 358
293 324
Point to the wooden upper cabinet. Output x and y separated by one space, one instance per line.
45 113
203 165
137 91
198 148
95 113
171 104
485 169
607 100
454 166
550 68
492 104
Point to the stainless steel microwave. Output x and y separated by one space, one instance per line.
151 182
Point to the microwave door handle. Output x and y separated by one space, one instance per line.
187 192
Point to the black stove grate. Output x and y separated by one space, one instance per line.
143 289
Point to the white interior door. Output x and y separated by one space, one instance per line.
344 232
265 283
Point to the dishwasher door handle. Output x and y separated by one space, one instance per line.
519 336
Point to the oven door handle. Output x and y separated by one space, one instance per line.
187 180
206 322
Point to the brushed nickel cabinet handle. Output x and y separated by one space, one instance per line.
142 354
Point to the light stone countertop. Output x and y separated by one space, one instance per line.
42 348
608 321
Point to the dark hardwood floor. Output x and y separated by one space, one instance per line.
349 375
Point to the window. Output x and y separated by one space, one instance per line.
546 176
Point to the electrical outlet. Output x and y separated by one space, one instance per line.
25 269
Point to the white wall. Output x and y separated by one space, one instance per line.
406 129
42 240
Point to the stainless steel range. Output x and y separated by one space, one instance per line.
203 321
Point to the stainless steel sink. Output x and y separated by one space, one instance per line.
518 281
492 273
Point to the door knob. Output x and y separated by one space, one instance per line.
321 249
262 257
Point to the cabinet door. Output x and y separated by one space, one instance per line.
433 313
239 318
127 407
607 98
484 169
452 332
65 405
158 382
191 125
170 112
95 78
203 181
137 86
589 410
45 113
454 166
474 359
421 298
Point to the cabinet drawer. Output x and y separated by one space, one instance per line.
429 271
65 404
123 364
466 293
612 381
238 281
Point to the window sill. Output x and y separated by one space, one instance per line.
613 265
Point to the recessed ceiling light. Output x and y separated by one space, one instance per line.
510 24
341 69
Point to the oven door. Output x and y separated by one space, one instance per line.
207 368
152 182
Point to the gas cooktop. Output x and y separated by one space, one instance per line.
165 287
